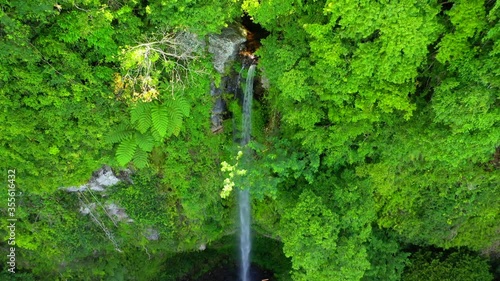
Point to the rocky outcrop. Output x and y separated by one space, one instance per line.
225 46
113 211
264 81
99 211
218 108
117 212
101 179
190 44
151 234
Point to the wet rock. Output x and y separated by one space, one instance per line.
224 47
216 117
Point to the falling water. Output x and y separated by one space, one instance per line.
247 106
244 196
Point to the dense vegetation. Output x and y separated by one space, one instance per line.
375 151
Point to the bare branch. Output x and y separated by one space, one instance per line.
163 52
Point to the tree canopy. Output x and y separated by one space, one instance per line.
375 148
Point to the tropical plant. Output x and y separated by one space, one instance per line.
150 123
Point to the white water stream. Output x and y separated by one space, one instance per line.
244 195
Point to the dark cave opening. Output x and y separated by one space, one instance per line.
255 33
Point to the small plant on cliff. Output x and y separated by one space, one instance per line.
232 171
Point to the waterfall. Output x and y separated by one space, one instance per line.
245 243
244 195
247 106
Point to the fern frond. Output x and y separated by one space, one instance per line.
145 141
121 132
125 151
175 122
183 105
140 158
175 115
156 136
140 115
160 119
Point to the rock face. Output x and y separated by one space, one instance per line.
91 204
225 46
264 82
151 234
218 109
190 43
229 84
117 212
113 211
101 179
85 209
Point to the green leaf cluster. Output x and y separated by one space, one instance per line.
458 265
150 124
400 103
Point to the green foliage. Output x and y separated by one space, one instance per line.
232 172
274 163
386 258
458 265
347 80
380 127
160 120
57 238
201 17
409 101
440 159
204 215
56 74
309 234
121 132
189 167
326 237
144 200
144 141
125 151
140 115
154 122
8 276
177 109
